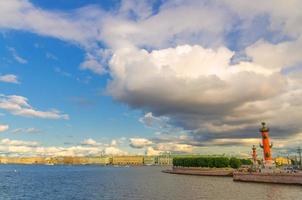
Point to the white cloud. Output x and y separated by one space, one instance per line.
98 148
61 72
284 17
51 56
208 86
32 148
114 151
80 26
156 146
244 141
169 147
3 127
26 130
10 142
141 9
114 142
174 148
18 105
187 22
22 15
90 142
279 56
96 61
154 122
9 78
139 142
152 152
93 64
16 56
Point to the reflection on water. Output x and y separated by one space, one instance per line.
94 182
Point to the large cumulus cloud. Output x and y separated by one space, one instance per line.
196 87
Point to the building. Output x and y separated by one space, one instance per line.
164 160
23 160
282 161
149 160
128 160
103 160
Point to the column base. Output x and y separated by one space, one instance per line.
269 166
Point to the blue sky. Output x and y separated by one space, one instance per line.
56 82
117 77
50 78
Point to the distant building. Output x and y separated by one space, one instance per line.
282 161
23 160
149 160
164 160
128 160
103 160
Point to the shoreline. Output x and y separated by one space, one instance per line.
256 177
226 172
274 178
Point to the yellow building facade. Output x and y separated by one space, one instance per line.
128 160
282 161
23 160
149 160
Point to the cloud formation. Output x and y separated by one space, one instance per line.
11 147
214 68
139 142
207 94
10 142
26 130
16 56
90 142
18 105
3 127
9 78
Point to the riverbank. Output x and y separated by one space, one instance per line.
280 178
277 178
201 171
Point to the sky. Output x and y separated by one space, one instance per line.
92 77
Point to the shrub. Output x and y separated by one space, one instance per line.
235 163
246 161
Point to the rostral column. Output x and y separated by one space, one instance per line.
254 155
266 145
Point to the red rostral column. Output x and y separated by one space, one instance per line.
266 144
254 155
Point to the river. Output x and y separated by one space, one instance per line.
100 183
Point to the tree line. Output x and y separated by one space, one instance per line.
217 162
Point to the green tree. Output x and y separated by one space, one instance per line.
235 163
246 161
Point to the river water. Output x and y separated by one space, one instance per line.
94 182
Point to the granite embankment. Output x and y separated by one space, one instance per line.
280 178
201 171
